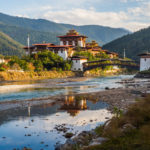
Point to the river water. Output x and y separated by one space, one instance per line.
43 126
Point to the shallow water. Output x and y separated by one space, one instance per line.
29 90
30 127
35 127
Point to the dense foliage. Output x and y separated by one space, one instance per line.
8 46
90 55
40 62
20 34
134 44
94 32
87 55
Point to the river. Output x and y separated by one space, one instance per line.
42 126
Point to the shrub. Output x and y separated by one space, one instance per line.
137 138
2 69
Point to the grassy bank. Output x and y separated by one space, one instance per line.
102 72
13 76
129 131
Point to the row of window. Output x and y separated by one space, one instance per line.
79 69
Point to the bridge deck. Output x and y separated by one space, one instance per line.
110 62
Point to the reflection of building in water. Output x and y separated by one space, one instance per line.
74 105
29 110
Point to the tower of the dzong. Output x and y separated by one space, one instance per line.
73 38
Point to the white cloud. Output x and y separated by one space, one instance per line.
132 17
88 17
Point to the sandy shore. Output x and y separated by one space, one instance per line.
13 86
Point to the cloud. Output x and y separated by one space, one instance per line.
87 17
129 14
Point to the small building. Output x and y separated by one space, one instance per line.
2 60
30 50
111 54
93 47
144 61
63 51
43 46
37 48
92 44
73 38
78 63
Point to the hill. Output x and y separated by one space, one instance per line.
8 46
20 34
95 32
134 44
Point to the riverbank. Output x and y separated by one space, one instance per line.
18 76
143 74
98 72
129 131
122 101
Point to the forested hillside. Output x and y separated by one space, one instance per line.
134 44
8 46
95 32
20 34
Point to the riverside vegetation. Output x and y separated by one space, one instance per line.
129 131
37 66
31 75
47 64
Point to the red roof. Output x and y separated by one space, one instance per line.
26 47
96 49
64 36
144 54
108 52
78 57
60 46
43 44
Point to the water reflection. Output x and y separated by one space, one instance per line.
44 88
39 121
74 104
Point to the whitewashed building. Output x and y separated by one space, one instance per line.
2 60
77 63
144 61
63 51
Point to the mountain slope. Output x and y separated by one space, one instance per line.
34 24
99 33
8 46
134 44
20 34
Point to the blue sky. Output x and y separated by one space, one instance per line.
129 14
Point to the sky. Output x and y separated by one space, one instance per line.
129 14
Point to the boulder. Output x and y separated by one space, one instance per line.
98 141
127 127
